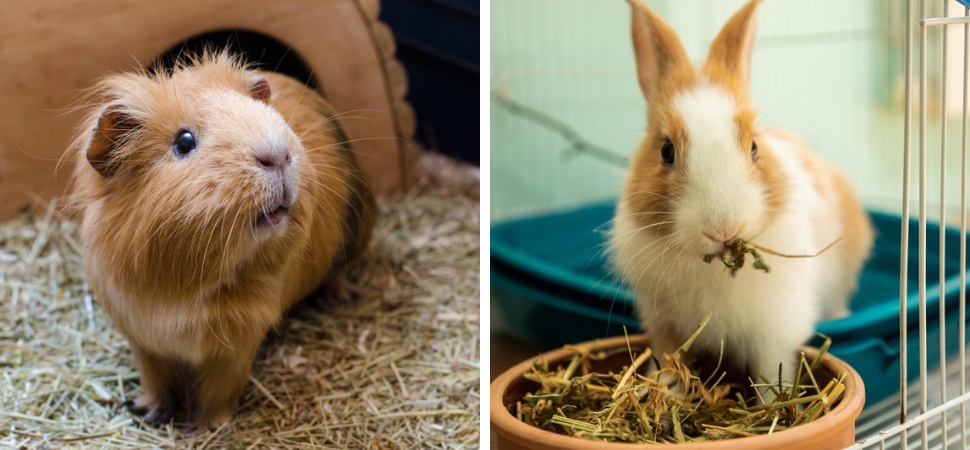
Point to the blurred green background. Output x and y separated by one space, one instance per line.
830 70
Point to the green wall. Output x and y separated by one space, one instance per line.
830 70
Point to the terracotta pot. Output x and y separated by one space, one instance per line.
835 430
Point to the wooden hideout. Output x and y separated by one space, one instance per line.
52 50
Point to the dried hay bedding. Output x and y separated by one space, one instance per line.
398 368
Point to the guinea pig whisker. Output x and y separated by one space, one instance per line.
162 225
339 125
225 342
351 111
352 173
301 101
252 230
348 185
342 197
205 253
306 132
342 118
355 174
225 247
335 144
330 208
342 115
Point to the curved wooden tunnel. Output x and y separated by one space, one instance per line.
50 50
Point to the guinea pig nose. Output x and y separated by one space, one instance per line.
272 159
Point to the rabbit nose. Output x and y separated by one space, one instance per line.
724 235
273 158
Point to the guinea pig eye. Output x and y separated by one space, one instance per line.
184 142
667 153
754 151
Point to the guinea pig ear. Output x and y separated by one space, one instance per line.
112 125
260 89
731 50
658 50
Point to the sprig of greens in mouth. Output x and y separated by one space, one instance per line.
734 254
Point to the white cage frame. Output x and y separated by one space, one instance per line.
925 413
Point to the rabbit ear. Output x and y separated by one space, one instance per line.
730 52
658 51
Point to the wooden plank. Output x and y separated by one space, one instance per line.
51 50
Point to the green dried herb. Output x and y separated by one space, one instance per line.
733 257
669 405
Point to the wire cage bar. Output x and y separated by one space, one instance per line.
938 436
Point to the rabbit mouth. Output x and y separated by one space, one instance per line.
723 249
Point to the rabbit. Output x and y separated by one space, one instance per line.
212 197
704 176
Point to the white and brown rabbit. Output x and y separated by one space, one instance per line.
705 176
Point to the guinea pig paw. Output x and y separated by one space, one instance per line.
343 294
127 404
158 416
350 294
151 414
338 294
135 406
204 425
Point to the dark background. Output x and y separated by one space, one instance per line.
438 43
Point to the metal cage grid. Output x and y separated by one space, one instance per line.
939 411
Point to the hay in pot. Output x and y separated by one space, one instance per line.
398 368
670 405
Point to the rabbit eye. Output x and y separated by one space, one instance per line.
184 143
754 151
667 153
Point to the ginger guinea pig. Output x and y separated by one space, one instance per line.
212 198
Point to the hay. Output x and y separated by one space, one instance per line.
399 368
670 405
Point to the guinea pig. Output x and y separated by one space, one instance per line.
212 197
704 176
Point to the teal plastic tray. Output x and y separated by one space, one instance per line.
552 286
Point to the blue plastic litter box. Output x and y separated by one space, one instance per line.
551 284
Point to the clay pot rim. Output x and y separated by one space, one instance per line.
507 426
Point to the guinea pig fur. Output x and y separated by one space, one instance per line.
706 175
212 198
